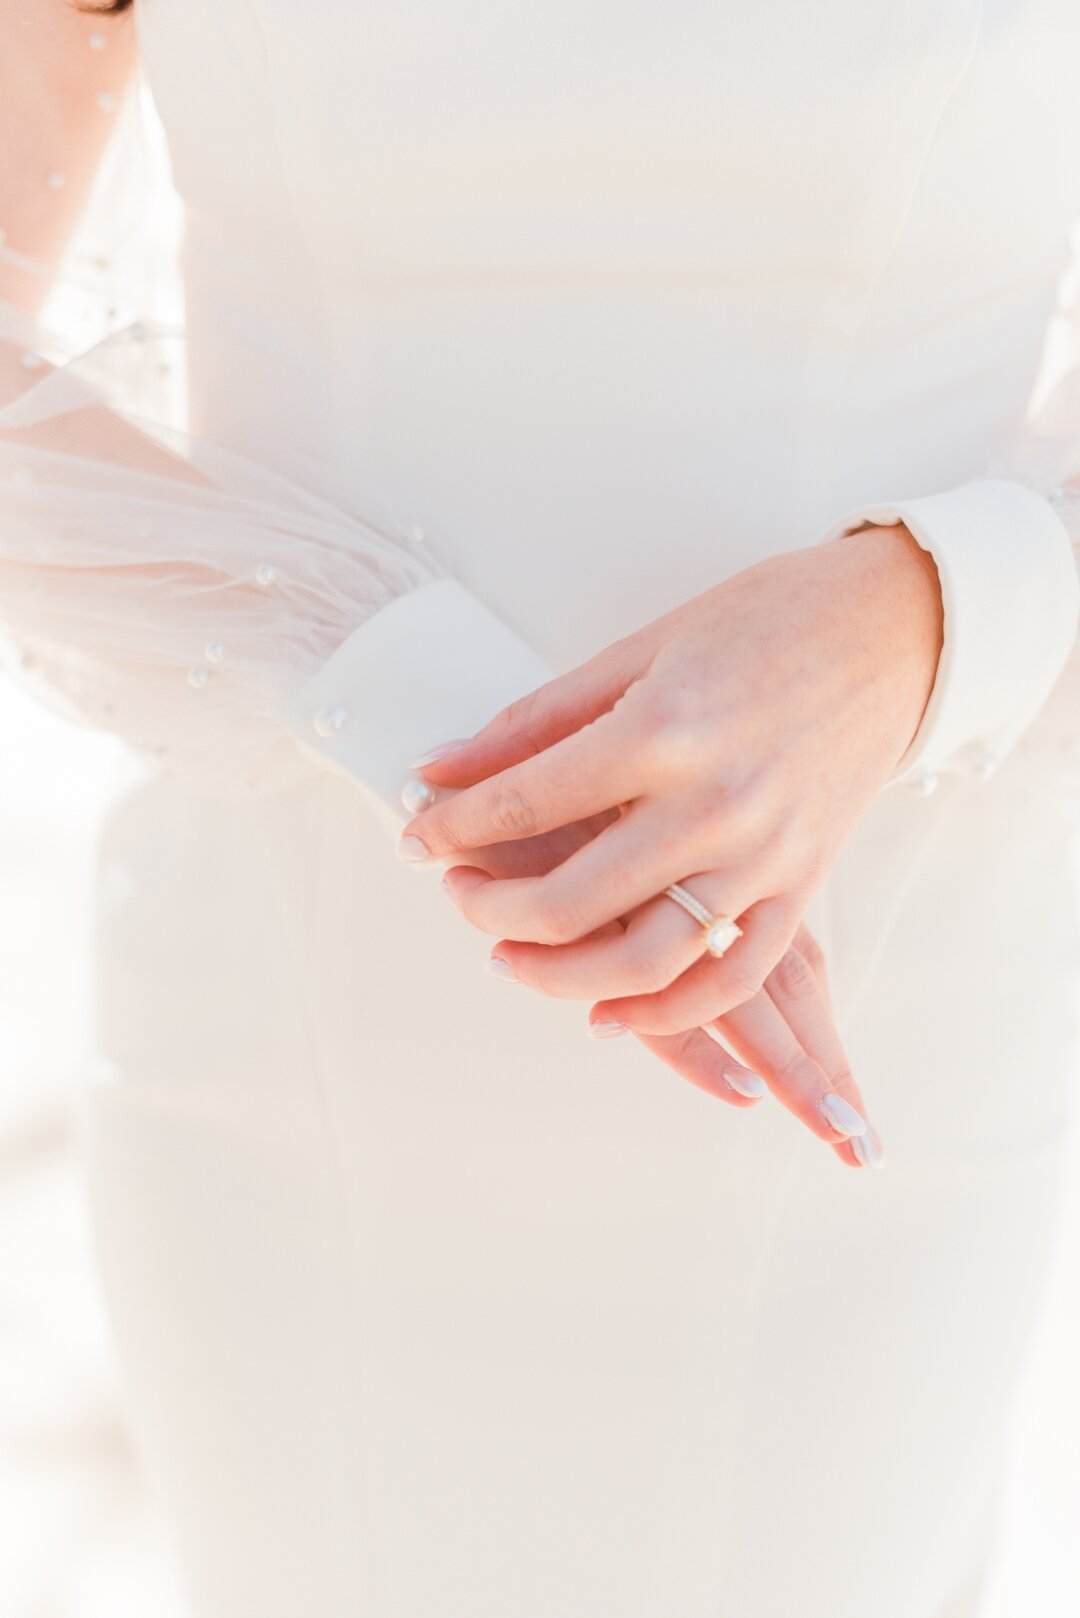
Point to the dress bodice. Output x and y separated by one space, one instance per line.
613 299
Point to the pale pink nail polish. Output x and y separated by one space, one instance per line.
498 968
443 750
413 849
447 893
869 1150
744 1083
606 1030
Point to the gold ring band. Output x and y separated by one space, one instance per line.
720 931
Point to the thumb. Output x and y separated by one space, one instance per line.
539 720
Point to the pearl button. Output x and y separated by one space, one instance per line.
328 721
265 573
417 795
923 783
214 652
984 764
197 678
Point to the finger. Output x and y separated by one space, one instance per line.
658 944
798 993
632 861
809 948
708 1066
536 721
758 1032
595 769
710 987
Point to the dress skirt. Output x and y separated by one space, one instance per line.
432 1307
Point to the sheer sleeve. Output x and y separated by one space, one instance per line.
235 627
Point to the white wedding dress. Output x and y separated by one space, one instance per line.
429 1306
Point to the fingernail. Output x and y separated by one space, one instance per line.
869 1150
413 849
501 969
437 753
447 892
606 1030
744 1083
842 1115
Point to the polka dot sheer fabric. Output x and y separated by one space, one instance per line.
152 583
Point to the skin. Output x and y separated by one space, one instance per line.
786 1033
820 663
785 1028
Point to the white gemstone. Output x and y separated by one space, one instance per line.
265 573
416 535
197 678
55 180
214 652
417 795
97 42
106 101
721 934
31 361
328 721
923 783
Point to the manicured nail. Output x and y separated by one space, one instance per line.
869 1150
842 1115
501 969
413 849
606 1030
744 1083
447 892
437 753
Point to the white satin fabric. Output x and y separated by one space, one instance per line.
431 1308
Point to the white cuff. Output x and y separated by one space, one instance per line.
1011 598
432 666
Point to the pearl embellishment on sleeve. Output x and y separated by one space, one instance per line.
417 795
328 721
923 783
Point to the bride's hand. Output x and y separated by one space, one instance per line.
786 1031
738 738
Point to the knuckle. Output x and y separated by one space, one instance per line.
793 977
812 953
646 970
743 980
518 720
558 920
512 811
684 1046
797 1072
669 724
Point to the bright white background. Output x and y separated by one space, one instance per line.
79 1535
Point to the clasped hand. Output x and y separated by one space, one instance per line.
730 746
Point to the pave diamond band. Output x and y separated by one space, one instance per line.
720 931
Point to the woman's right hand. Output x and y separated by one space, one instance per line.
786 1035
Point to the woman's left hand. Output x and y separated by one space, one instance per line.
739 738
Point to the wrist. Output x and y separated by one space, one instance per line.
904 616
